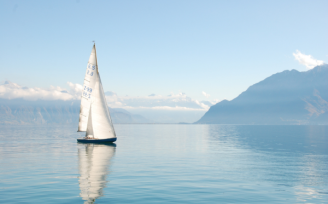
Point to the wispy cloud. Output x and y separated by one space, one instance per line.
307 60
206 94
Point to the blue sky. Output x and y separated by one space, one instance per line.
160 47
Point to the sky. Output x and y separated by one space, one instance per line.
206 50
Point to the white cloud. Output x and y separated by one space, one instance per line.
215 101
75 89
10 90
166 108
179 101
205 94
172 108
307 60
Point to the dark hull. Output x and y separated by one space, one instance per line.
83 140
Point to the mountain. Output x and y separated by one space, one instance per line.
19 111
288 97
120 115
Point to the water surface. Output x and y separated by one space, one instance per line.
166 164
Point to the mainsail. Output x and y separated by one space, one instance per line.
87 92
94 114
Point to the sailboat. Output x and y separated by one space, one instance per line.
94 119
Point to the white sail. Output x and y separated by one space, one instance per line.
89 132
99 124
87 92
94 162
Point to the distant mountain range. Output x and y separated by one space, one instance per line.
288 97
19 111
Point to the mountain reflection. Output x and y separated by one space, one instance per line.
94 162
299 139
289 156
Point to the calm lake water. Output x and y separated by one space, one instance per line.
166 164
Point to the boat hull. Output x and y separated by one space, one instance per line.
109 140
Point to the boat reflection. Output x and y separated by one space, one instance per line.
94 163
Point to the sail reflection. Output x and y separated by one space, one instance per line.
94 163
